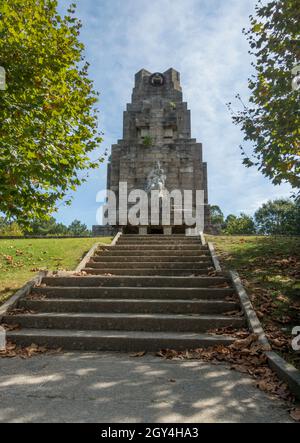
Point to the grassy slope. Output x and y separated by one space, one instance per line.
270 269
20 260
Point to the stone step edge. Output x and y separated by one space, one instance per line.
118 281
151 263
158 258
138 293
157 316
192 271
130 300
133 288
146 272
121 341
154 246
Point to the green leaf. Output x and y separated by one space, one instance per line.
48 123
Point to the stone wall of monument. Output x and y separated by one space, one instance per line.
157 128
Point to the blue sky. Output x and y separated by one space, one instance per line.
203 40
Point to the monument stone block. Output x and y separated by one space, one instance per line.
157 131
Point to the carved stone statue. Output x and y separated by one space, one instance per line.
156 180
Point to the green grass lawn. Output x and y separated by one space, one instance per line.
20 260
270 270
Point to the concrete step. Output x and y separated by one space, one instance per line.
158 247
149 265
132 281
125 341
155 259
159 240
145 293
130 306
126 241
154 253
124 322
147 272
120 293
159 236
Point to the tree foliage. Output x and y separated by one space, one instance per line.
78 228
9 228
48 121
217 216
242 225
271 120
43 228
278 217
46 227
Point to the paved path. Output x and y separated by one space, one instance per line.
106 387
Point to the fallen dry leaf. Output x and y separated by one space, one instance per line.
265 385
295 414
240 368
245 343
20 311
169 354
36 297
12 350
233 314
10 327
245 355
238 333
138 354
221 285
278 343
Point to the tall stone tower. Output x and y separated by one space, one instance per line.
157 134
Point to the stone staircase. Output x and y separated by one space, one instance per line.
145 293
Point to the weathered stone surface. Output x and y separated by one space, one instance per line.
157 128
104 231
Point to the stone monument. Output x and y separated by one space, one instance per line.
157 151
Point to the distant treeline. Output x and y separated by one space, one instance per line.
278 217
44 228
